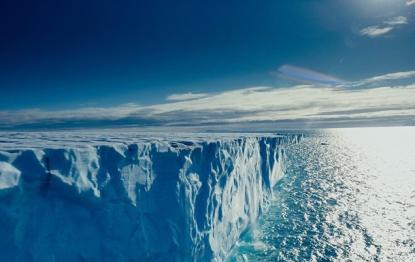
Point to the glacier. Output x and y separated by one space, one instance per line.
133 196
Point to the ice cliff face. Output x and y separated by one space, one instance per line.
131 198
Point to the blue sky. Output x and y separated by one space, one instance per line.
130 59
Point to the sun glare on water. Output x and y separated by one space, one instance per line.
348 195
385 159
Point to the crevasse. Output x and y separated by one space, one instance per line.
160 200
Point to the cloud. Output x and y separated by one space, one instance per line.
32 116
388 102
399 20
385 27
390 76
410 2
307 76
397 79
185 96
375 31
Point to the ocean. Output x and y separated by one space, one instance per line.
347 195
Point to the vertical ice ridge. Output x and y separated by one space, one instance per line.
155 201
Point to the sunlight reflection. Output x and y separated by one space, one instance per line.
348 195
384 158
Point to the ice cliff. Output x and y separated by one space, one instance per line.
128 197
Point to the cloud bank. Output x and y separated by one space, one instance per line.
381 100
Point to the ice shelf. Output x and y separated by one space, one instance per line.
126 196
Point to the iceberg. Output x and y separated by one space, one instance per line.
128 196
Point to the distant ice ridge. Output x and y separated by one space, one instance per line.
129 197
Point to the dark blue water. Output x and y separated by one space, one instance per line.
348 195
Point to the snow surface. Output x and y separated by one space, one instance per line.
130 196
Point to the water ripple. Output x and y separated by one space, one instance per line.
348 196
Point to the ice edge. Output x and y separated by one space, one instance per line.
157 201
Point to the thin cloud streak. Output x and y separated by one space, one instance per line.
185 96
399 20
390 76
375 31
388 100
384 28
392 79
307 76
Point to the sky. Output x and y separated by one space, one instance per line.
304 63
